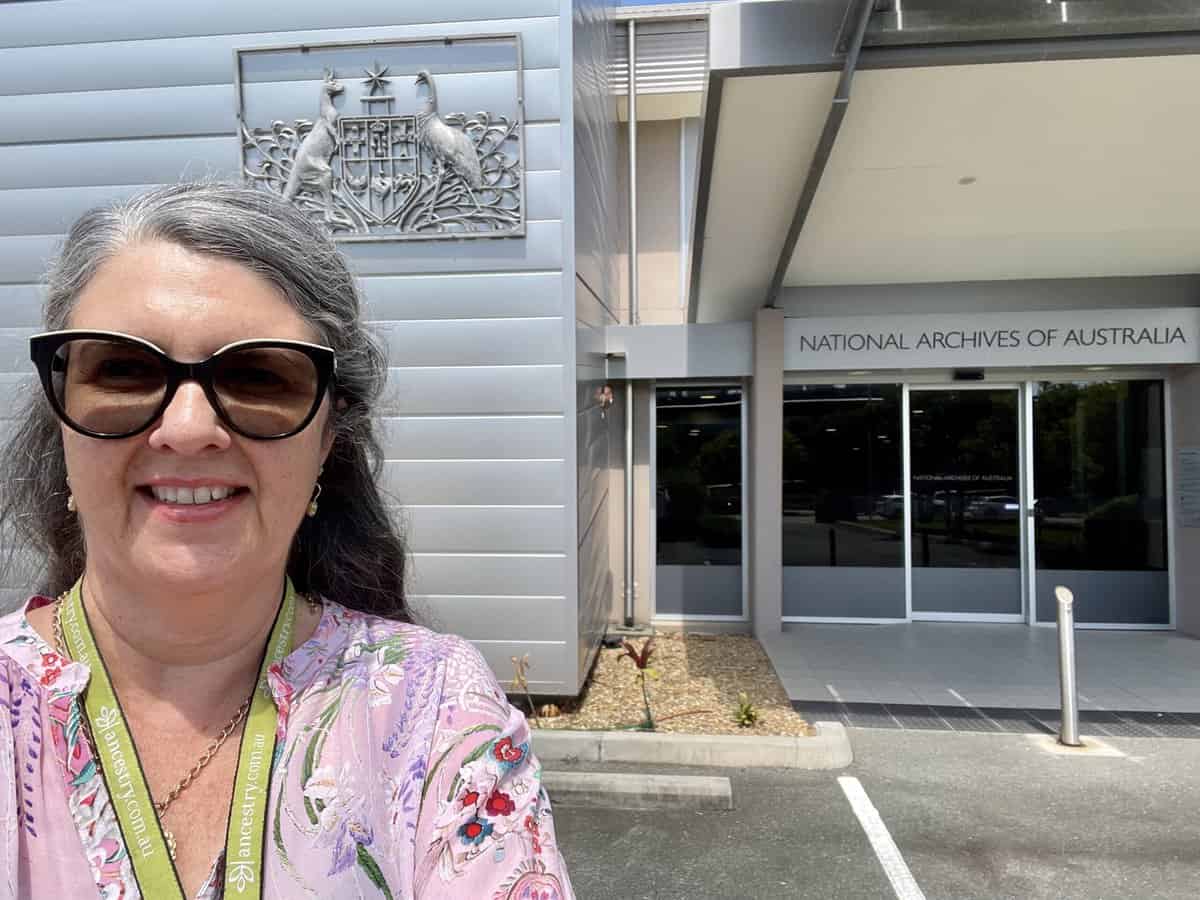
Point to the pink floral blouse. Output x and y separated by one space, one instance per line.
401 771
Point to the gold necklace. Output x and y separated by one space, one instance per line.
205 758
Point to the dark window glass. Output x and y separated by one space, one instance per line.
843 502
1099 476
965 495
699 462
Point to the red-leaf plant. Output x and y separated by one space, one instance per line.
641 659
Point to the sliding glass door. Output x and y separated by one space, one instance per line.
957 502
965 520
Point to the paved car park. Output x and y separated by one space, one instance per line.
967 815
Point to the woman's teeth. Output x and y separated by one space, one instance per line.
187 495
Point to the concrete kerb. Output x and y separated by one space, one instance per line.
829 748
638 791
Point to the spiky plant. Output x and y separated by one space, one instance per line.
641 660
745 713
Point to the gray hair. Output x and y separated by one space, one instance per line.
352 551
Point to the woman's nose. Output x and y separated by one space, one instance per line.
189 424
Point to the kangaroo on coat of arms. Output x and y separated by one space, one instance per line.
379 173
311 165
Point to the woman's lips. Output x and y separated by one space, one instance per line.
185 513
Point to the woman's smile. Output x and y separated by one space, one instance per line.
192 501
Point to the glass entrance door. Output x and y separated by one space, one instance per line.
965 514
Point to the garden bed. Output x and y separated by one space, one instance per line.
696 691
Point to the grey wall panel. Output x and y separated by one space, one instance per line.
23 259
53 210
78 21
596 581
546 662
15 390
543 146
194 110
540 249
589 345
1109 598
496 437
144 112
478 618
163 160
591 455
14 349
593 489
475 481
600 220
21 304
455 574
698 591
844 591
484 342
479 441
473 296
543 196
589 382
592 428
168 62
141 161
484 390
476 529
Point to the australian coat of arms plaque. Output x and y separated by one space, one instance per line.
357 136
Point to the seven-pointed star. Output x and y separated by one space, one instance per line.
375 79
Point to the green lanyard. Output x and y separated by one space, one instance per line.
122 770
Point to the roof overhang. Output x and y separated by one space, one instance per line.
961 157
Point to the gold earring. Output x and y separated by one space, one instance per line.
312 504
71 503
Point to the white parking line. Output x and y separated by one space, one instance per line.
885 848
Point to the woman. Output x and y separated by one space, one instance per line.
225 696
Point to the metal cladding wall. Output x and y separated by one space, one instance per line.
599 237
479 428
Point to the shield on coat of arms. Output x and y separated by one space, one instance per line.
378 163
367 167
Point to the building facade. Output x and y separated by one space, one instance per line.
760 313
497 446
940 347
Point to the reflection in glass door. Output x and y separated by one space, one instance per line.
965 508
1099 476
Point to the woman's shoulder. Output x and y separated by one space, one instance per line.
20 644
356 639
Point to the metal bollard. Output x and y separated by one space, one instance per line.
1069 735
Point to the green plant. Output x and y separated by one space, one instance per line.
641 660
745 713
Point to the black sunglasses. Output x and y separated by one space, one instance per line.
104 384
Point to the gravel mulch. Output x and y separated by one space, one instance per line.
700 676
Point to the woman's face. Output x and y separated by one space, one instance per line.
190 305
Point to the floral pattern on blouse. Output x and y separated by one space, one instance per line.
401 771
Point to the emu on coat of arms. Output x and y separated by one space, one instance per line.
386 172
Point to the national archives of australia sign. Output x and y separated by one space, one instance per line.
389 140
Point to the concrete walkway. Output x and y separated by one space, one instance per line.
1004 666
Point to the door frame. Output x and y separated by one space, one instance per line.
1027 570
